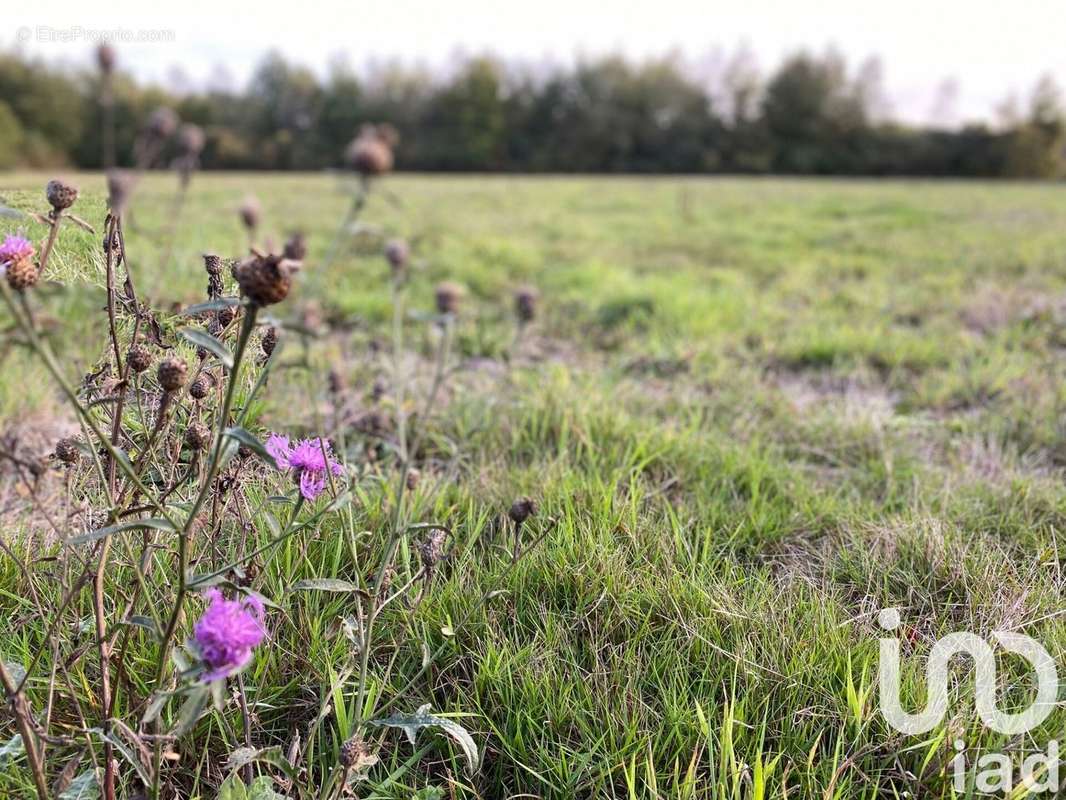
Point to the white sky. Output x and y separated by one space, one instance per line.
989 48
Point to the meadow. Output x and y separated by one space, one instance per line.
752 413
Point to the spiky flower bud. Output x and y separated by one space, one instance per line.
199 388
67 450
525 303
213 266
139 358
22 274
172 373
266 279
447 296
249 212
197 436
522 509
162 123
296 247
432 549
269 341
105 58
61 195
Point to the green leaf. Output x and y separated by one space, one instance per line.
324 585
342 500
124 749
412 723
202 338
273 756
252 442
157 523
83 787
262 788
232 788
210 305
11 749
191 709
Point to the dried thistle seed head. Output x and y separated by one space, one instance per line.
22 274
67 451
447 296
162 123
379 390
249 212
369 153
269 341
266 279
61 195
226 315
522 509
413 477
432 549
139 358
397 253
213 264
296 247
191 139
119 189
105 58
172 373
525 303
197 436
199 388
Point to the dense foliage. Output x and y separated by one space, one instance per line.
812 115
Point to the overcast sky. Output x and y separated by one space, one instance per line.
986 49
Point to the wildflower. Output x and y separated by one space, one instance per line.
227 634
310 460
16 256
269 341
199 388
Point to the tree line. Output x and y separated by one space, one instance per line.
810 115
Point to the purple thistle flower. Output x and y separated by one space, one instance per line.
15 248
227 633
311 460
278 446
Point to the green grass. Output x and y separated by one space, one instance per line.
760 410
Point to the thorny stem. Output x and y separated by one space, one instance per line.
358 201
54 218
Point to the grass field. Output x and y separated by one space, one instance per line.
759 410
